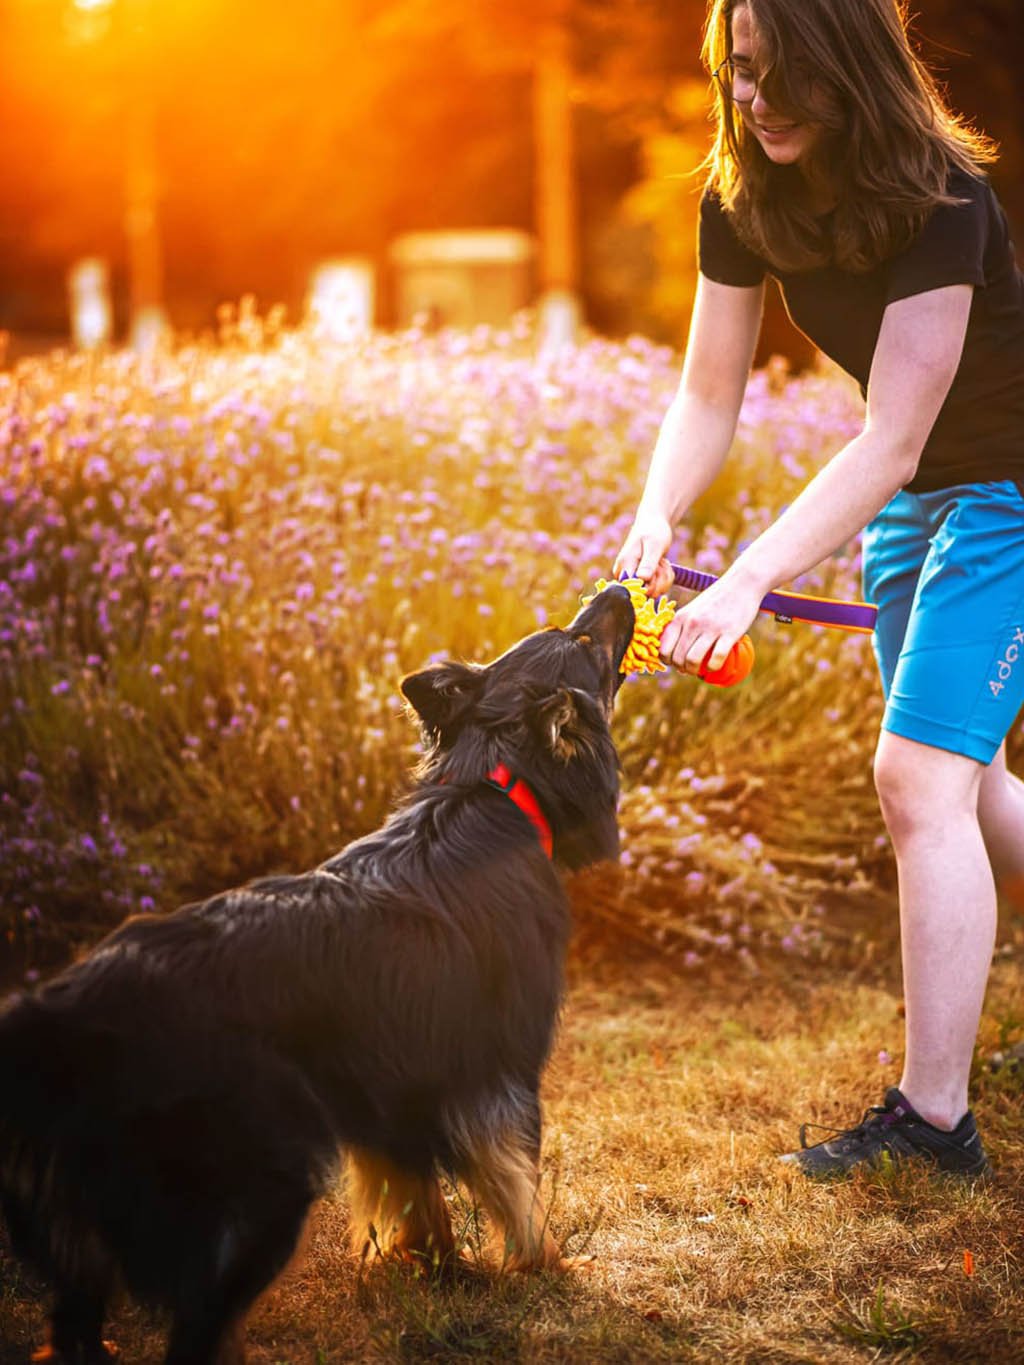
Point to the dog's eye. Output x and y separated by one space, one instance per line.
584 700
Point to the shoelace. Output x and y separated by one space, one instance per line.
877 1114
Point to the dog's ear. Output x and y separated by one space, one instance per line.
561 723
443 695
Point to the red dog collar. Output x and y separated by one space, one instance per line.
516 790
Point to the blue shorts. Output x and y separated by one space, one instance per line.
946 570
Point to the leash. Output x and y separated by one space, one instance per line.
788 607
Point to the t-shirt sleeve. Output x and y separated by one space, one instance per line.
950 248
721 256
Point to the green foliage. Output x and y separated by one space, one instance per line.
880 1324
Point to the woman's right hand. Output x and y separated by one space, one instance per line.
643 554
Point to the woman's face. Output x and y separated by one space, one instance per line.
782 140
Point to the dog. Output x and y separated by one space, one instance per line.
173 1103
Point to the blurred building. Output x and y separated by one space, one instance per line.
462 278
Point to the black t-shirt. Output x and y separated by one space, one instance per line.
978 435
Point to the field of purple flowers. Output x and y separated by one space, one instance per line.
216 565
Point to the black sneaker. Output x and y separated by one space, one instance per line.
893 1131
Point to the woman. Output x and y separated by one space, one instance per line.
838 169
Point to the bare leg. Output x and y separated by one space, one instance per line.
1001 815
929 799
407 1211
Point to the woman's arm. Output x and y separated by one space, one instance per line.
699 425
916 357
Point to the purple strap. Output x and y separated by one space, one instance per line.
793 606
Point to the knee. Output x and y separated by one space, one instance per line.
921 789
912 793
899 794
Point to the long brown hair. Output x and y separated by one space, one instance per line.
888 138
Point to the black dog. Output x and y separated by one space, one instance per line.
171 1105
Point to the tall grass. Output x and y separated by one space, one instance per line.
216 565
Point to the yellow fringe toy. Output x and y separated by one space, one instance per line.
651 619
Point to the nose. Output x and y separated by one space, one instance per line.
759 105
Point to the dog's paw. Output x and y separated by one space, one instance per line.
568 1264
554 1263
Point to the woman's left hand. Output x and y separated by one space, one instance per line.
710 624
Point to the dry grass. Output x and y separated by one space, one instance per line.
668 1101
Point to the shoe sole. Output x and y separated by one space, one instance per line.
981 1172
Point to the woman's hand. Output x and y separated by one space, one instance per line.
710 625
643 554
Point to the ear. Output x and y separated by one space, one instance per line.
560 723
443 695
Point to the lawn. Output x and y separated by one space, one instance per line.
667 1101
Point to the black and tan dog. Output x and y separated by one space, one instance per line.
171 1105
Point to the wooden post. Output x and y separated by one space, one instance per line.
142 188
555 194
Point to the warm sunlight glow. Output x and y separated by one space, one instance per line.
92 6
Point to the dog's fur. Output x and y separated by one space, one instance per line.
171 1105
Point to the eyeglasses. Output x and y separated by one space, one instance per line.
739 84
736 83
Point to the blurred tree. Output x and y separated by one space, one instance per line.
978 51
287 134
283 135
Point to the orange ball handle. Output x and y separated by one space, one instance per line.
738 663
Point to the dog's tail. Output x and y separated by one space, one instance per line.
43 1074
126 1145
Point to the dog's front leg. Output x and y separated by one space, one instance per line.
503 1172
397 1212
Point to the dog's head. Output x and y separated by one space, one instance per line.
543 708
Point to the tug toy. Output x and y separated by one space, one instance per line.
653 616
651 619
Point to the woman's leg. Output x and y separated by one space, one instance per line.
947 572
1001 813
930 801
